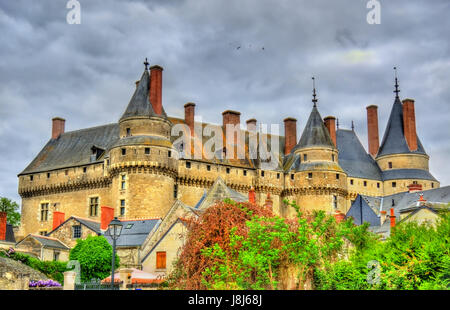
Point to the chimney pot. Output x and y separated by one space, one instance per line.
156 88
251 124
372 129
58 127
290 134
392 218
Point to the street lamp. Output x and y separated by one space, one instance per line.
115 228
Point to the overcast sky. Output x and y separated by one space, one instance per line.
253 56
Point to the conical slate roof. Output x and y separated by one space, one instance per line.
315 133
140 103
394 141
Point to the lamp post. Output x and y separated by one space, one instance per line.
115 228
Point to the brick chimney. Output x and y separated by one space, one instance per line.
290 134
339 216
251 124
58 219
189 113
107 216
269 202
231 118
372 129
156 88
330 123
409 124
392 218
252 195
3 217
58 125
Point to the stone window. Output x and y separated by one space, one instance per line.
365 183
292 176
310 175
128 132
432 185
394 184
124 151
228 170
262 174
305 157
147 151
169 154
335 201
66 172
31 178
278 176
351 182
208 167
245 172
122 207
175 191
84 169
332 157
378 185
160 260
188 164
93 206
123 181
44 212
76 231
43 233
56 255
390 165
48 175
337 176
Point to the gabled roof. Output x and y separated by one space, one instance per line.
218 192
394 141
73 148
139 104
134 232
353 158
90 224
362 212
315 133
46 242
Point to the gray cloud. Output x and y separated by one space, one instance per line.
86 73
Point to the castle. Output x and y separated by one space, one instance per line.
139 169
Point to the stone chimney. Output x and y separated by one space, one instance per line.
58 125
107 215
330 123
382 217
290 134
372 129
251 124
3 218
58 219
392 217
252 195
189 113
156 88
409 124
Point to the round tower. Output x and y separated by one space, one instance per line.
143 164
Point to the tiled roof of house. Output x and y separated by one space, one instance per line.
134 232
47 241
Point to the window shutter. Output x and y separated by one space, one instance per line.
160 260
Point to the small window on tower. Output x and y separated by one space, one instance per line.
432 185
351 182
124 151
147 151
390 165
123 182
31 178
378 185
310 175
262 174
337 176
278 176
394 184
208 167
122 207
188 165
228 170
335 201
332 157
66 172
128 132
175 191
365 183
84 169
292 176
305 157
245 173
48 175
169 154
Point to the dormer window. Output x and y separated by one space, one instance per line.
97 152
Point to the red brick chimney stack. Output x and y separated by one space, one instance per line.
339 216
156 88
189 113
231 118
372 129
330 123
392 217
251 124
107 215
269 202
409 124
290 134
3 218
58 219
252 195
58 125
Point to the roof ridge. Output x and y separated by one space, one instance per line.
144 219
45 237
84 218
89 128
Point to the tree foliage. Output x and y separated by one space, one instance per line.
95 257
12 210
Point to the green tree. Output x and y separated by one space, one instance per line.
95 257
12 210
